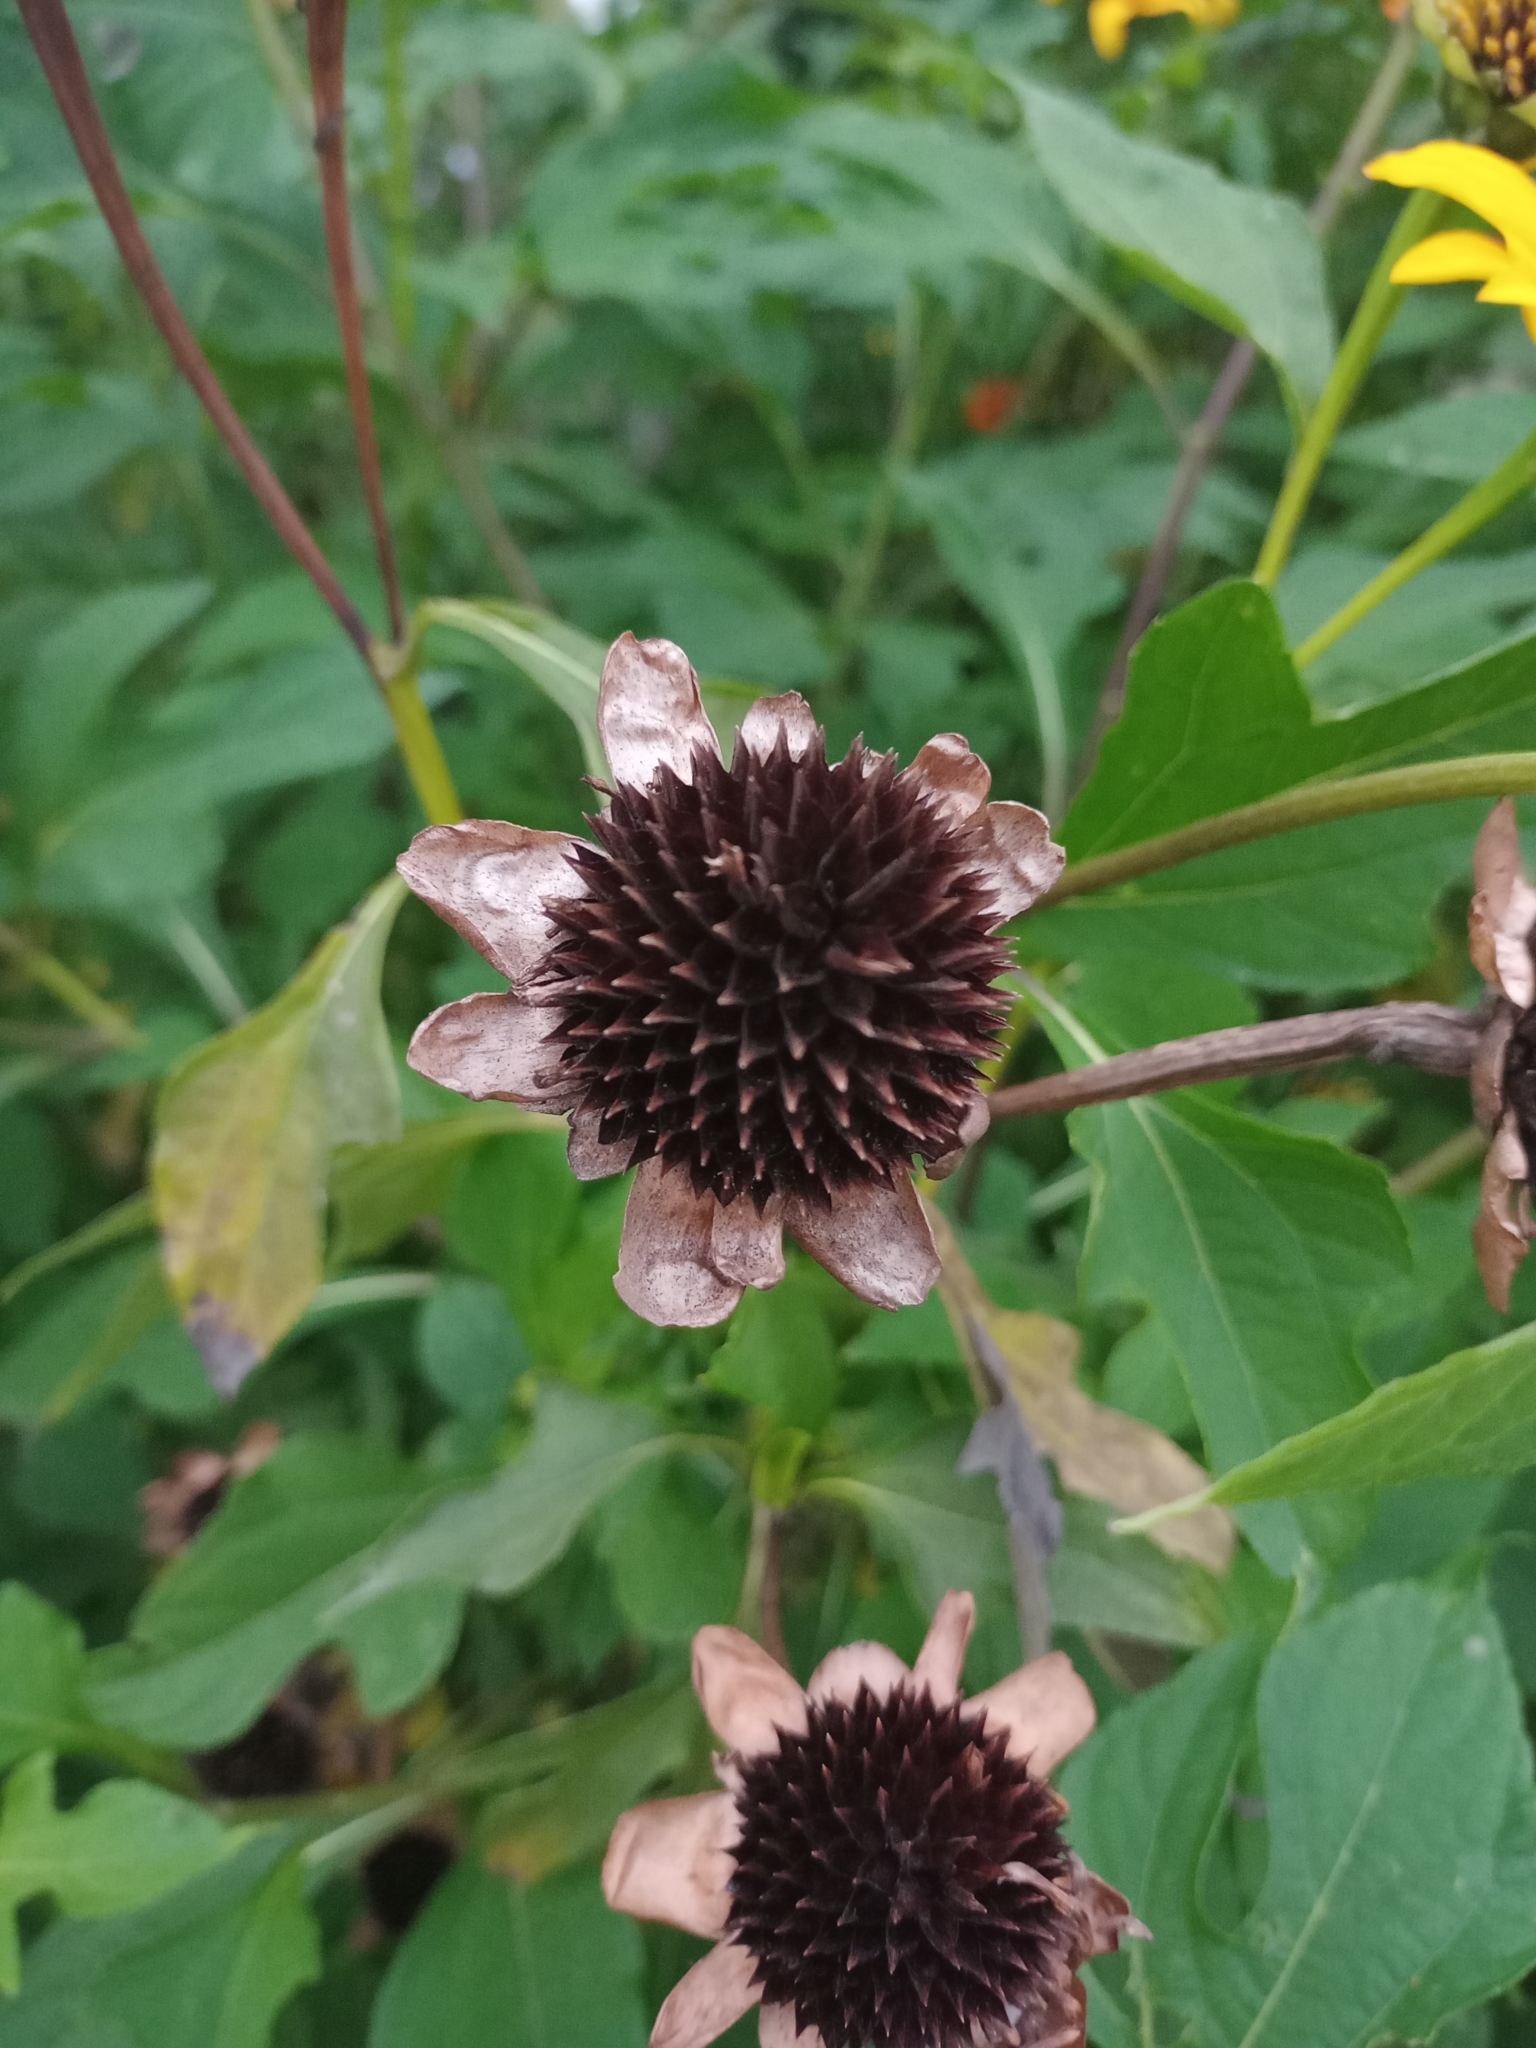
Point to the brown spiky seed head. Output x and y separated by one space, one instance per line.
781 975
1499 37
901 1880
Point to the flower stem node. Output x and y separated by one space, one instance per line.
886 1868
768 985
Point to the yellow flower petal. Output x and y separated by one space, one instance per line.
1528 315
1108 20
1451 258
1484 183
1513 287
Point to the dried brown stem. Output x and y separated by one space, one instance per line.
59 54
1429 1035
1203 438
327 23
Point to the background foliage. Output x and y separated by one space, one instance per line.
848 346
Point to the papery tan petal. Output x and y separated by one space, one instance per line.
841 1672
1045 1708
1103 1913
955 778
974 1126
490 881
1501 1232
671 1860
649 711
665 1272
1504 908
590 1158
494 1049
788 717
256 1445
747 1698
942 1658
1066 2024
875 1239
1025 859
747 1247
713 1996
776 2029
1486 1079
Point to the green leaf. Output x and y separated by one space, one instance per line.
779 1354
674 1537
606 1759
131 1217
1460 437
69 1350
495 1965
471 1350
123 1845
1379 1911
1185 1195
1215 717
1360 1711
328 1531
1132 1589
565 663
243 1133
378 1191
42 1670
207 1966
1246 259
1472 1416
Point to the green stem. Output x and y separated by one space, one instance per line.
1516 473
1373 316
1315 803
62 982
420 748
397 188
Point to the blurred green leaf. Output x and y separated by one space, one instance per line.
1266 1344
42 1670
1461 436
675 1540
378 1191
566 664
471 1350
123 1845
1246 259
497 1965
208 1966
779 1354
1132 1589
244 1129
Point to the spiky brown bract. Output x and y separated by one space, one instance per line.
870 1881
780 977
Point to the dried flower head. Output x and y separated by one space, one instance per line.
1501 923
768 985
177 1506
886 1867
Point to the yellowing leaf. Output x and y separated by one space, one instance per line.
1098 1452
245 1128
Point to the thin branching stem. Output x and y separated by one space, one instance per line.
1314 803
59 54
1432 1036
66 987
327 24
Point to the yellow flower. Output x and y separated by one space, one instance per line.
1484 183
1108 20
1488 43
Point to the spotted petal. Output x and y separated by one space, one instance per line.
1024 858
491 881
746 1246
874 1239
956 779
671 1860
771 719
649 711
493 1049
589 1157
665 1270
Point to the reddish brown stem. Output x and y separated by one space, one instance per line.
59 54
1428 1035
327 20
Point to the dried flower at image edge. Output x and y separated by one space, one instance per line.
1501 922
768 985
885 1868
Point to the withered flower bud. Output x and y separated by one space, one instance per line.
768 985
1500 927
177 1506
886 1866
